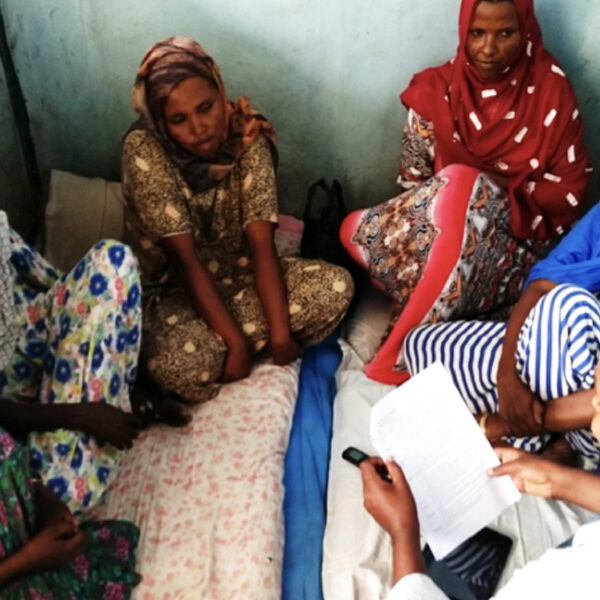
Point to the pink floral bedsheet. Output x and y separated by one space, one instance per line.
208 498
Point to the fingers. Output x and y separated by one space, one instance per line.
395 472
506 454
74 544
63 529
537 409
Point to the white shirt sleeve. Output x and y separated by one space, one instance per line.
416 586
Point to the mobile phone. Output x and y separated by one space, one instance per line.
355 456
471 571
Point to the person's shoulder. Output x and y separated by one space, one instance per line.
138 138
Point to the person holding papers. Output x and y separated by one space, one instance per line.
558 574
534 374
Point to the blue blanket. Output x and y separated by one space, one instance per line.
305 473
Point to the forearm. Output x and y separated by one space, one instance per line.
271 291
207 301
527 301
25 417
268 279
574 411
577 486
14 567
407 555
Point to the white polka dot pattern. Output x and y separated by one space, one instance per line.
550 117
572 200
475 120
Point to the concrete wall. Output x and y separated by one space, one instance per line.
326 72
15 197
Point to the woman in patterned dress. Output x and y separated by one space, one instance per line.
69 345
495 131
201 209
45 554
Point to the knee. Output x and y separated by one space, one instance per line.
118 255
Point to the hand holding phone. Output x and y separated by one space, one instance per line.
355 456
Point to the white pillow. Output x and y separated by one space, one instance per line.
80 211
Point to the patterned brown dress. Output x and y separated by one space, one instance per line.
181 352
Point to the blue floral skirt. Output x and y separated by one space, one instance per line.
78 341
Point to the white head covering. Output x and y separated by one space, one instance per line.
8 329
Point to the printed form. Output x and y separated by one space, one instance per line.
425 426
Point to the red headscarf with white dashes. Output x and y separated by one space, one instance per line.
525 127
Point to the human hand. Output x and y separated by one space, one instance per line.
53 546
530 473
391 504
238 361
109 424
519 408
284 351
49 508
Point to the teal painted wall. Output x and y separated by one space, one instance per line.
326 72
15 196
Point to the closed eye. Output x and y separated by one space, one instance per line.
204 107
176 119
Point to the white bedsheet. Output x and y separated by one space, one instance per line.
208 498
356 551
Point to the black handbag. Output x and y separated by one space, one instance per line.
322 221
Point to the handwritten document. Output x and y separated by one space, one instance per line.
426 428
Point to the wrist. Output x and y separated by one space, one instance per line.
560 482
236 341
407 554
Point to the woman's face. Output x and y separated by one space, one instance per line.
195 116
494 38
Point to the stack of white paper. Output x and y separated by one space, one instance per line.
426 428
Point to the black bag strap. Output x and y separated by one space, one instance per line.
334 196
336 191
310 196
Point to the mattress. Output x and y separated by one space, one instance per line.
208 497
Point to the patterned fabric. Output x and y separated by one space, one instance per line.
442 250
78 341
208 497
183 354
186 356
163 67
525 127
105 568
159 203
557 352
8 333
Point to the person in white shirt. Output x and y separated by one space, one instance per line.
558 574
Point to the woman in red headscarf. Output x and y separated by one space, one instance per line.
493 166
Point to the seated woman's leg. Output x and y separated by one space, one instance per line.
470 350
558 350
180 352
319 294
93 345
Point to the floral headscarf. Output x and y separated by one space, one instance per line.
166 65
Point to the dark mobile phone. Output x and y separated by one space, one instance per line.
355 456
471 571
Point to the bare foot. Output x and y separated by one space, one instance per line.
153 406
